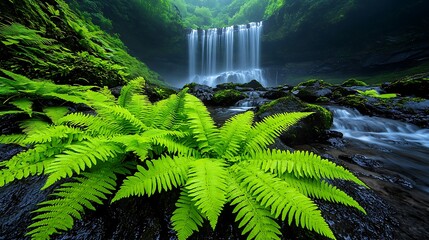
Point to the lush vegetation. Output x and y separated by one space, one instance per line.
172 143
48 40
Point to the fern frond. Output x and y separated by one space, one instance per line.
138 144
283 200
54 134
92 124
233 133
67 97
141 108
133 87
72 198
169 112
201 124
301 164
10 112
24 105
266 131
161 174
79 157
256 219
19 172
129 123
207 187
186 218
55 113
175 147
33 124
13 139
321 190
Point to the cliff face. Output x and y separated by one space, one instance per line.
355 35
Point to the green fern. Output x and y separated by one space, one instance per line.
177 145
72 198
231 165
24 105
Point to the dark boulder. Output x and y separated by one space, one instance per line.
203 92
417 86
312 90
254 85
308 130
227 97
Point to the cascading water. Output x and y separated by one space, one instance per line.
230 54
401 147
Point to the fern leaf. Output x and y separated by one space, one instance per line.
265 132
140 145
283 200
174 146
3 113
72 198
202 126
79 157
233 133
186 218
67 97
13 139
322 190
19 172
161 174
135 86
94 125
55 113
256 220
24 105
33 124
169 112
53 134
301 164
141 108
123 117
207 187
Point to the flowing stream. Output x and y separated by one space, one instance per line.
399 146
229 54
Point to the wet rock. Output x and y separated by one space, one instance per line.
203 92
312 90
353 82
417 86
227 97
228 85
396 179
254 85
349 223
307 130
362 161
116 91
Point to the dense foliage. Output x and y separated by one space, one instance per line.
45 39
207 13
172 143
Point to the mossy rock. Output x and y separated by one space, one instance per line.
313 83
323 100
308 130
356 101
253 84
354 82
228 85
412 86
156 93
227 97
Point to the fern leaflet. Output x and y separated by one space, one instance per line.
207 187
283 200
265 132
161 174
186 218
256 219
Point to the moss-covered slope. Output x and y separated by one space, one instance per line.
46 39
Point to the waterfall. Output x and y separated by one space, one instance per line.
229 54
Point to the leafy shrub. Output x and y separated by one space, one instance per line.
172 143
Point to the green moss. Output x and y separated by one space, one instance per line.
323 100
227 97
325 113
352 82
356 101
375 94
48 40
190 85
